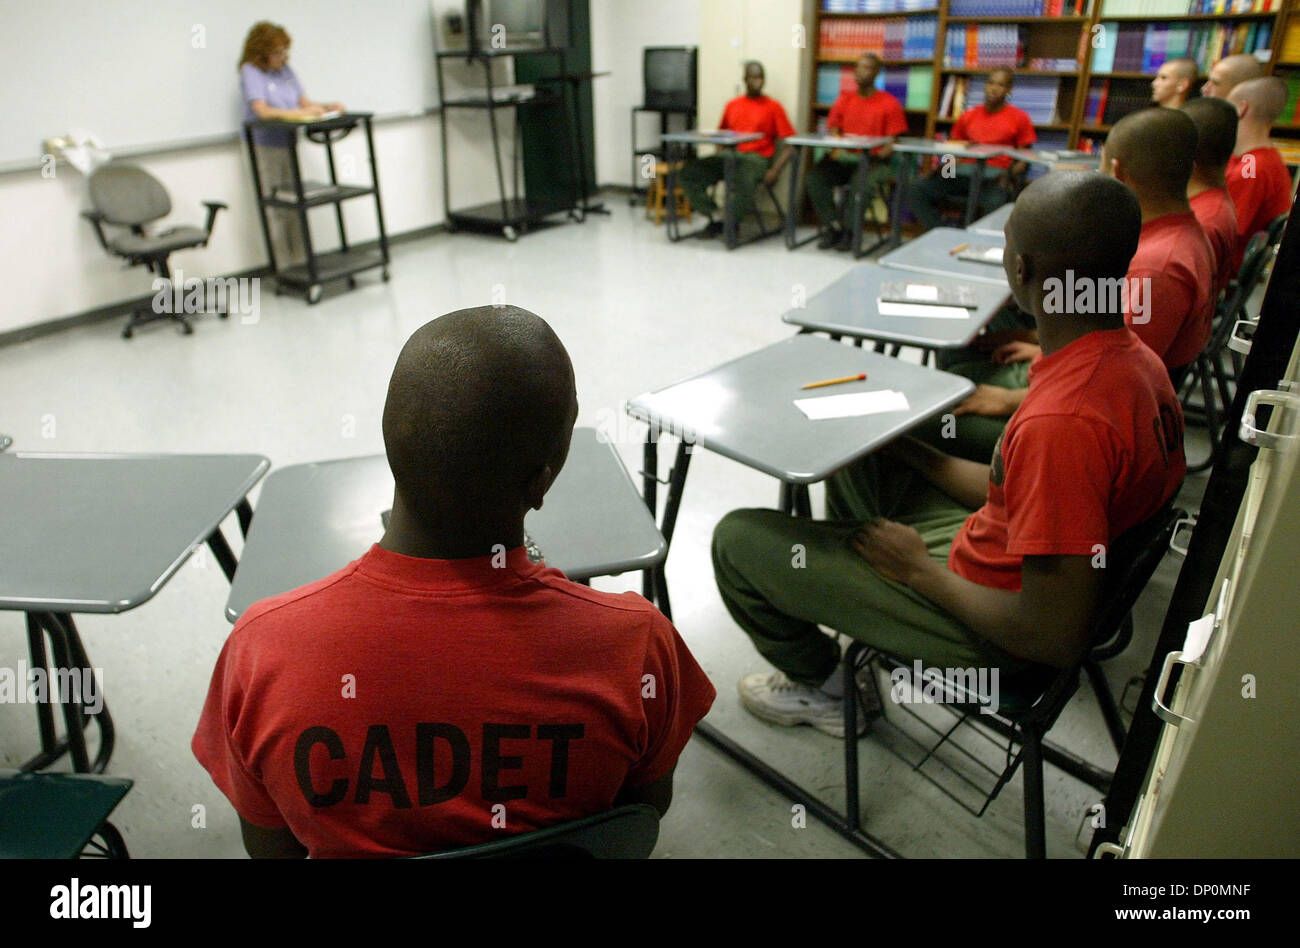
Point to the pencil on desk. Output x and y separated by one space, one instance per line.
958 249
861 376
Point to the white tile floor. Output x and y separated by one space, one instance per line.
307 383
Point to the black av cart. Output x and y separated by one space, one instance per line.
300 196
513 213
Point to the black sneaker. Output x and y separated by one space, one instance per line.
713 229
831 237
846 241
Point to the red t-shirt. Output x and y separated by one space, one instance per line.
762 114
1259 197
1171 288
1095 449
1007 126
405 705
876 114
1213 208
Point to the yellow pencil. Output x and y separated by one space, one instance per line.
848 378
958 249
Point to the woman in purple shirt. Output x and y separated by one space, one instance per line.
272 91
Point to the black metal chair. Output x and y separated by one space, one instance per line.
1030 703
626 832
59 816
1207 373
127 196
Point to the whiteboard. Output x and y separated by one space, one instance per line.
139 73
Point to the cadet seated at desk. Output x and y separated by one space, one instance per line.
868 111
996 122
355 716
979 566
751 112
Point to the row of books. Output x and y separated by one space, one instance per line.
893 38
1058 64
1109 100
911 85
1037 95
879 6
983 44
1290 52
1291 111
1017 7
1182 7
1144 47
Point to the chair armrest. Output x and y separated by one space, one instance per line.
213 207
96 220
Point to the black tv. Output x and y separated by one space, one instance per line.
510 25
670 78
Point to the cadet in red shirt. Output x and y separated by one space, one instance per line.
995 122
1257 176
1095 450
443 690
869 112
1216 133
1171 280
751 112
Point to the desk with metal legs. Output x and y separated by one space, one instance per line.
744 410
912 149
102 533
936 250
727 142
851 307
314 519
860 144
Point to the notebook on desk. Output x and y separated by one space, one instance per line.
930 294
977 253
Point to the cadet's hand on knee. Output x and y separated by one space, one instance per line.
892 549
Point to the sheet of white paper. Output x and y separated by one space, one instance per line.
850 406
993 253
923 310
922 291
1198 636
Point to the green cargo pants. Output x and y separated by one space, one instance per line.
698 176
781 576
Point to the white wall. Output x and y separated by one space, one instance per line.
53 267
620 30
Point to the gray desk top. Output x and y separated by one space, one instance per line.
1056 159
846 142
745 408
850 307
925 146
720 137
104 532
993 224
314 519
931 253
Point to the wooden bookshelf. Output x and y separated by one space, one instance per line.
1053 37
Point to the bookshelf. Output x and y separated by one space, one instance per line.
1080 65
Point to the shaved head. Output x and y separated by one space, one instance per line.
481 404
1228 72
1173 82
1216 133
1076 221
1264 97
1154 150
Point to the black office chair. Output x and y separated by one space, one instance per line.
128 196
627 832
1030 702
1208 372
59 816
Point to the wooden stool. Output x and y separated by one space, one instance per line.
654 198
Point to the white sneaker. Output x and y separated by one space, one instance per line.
778 700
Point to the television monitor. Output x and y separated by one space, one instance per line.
670 77
517 24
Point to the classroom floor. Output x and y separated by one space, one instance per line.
308 383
